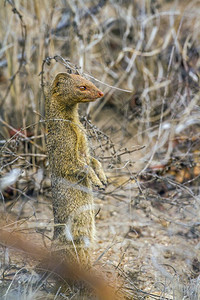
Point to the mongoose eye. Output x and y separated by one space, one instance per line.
58 83
82 88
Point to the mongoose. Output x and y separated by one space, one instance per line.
73 169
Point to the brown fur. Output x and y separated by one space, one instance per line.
73 170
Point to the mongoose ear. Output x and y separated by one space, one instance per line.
61 75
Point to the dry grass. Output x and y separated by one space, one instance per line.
144 55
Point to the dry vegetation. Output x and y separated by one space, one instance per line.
144 55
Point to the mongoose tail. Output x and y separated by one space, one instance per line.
73 169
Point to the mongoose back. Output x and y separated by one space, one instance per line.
73 169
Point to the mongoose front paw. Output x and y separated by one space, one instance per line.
98 183
105 183
101 188
97 167
94 179
103 179
101 175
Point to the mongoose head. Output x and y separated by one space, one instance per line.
72 89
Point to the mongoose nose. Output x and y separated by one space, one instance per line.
100 94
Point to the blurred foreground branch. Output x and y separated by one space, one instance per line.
56 266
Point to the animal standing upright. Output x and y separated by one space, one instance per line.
73 169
